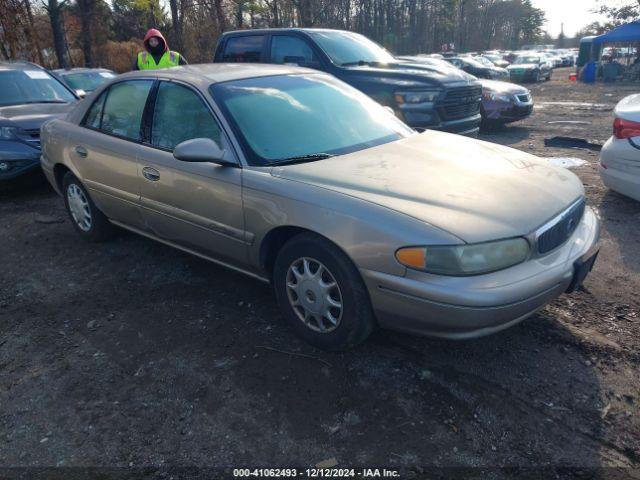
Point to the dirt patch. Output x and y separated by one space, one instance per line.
132 354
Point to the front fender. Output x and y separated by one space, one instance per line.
368 233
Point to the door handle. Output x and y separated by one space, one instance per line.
151 174
81 151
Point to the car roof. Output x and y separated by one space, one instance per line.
207 73
80 70
19 65
263 31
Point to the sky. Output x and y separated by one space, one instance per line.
574 13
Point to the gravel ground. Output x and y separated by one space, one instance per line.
132 354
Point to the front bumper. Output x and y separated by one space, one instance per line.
526 76
506 112
622 172
469 307
17 160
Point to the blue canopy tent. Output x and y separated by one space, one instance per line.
591 49
624 33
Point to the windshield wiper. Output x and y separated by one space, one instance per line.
361 63
299 159
41 101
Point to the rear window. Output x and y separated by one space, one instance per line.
243 49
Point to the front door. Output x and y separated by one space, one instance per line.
104 148
195 205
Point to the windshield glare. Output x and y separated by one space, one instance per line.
347 48
281 117
87 81
484 61
31 86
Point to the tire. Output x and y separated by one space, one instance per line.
549 76
536 77
88 221
353 322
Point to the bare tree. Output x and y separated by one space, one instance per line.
54 10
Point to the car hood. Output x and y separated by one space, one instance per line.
450 74
475 190
32 116
403 71
502 87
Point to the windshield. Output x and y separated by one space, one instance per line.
282 117
475 63
527 59
493 58
484 61
18 87
347 48
87 81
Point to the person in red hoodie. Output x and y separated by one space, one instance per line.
156 53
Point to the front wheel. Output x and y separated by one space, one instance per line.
89 222
536 77
321 293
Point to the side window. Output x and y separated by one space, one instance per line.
123 108
174 104
94 115
243 49
286 49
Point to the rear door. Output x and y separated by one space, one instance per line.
195 205
104 147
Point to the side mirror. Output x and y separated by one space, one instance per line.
202 150
81 93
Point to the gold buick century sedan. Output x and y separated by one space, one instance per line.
295 178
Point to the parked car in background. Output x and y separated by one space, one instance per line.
530 68
421 97
296 178
84 80
553 58
29 97
620 156
496 59
478 68
502 102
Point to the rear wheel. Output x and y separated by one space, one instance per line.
321 294
89 222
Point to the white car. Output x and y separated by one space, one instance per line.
620 156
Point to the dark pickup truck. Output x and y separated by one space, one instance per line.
425 97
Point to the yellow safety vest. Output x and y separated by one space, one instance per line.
169 59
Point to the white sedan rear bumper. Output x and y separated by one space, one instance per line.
620 167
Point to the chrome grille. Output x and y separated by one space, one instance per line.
461 102
524 98
561 228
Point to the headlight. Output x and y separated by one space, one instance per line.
422 96
8 133
463 260
496 97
